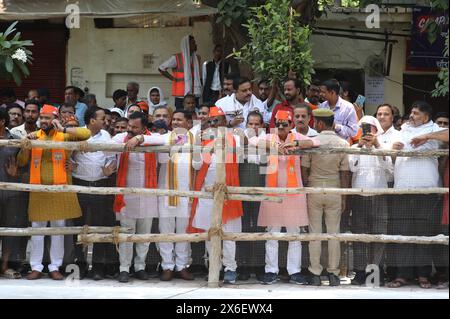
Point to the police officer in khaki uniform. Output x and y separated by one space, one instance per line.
330 170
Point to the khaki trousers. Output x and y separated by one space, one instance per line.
328 206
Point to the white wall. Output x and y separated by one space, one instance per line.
106 59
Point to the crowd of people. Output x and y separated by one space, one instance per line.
299 118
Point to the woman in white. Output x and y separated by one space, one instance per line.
369 213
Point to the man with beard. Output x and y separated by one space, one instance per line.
136 211
176 173
238 105
48 167
267 96
31 116
293 95
227 88
201 213
212 74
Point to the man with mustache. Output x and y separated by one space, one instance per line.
293 95
48 167
136 211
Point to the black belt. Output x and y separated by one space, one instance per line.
99 183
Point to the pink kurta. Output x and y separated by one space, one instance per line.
293 210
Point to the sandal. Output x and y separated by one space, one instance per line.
11 274
424 283
397 283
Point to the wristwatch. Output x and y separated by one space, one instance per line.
65 130
140 138
297 143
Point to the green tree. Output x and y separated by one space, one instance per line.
278 43
14 56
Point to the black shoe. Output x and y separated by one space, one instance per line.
359 279
141 275
243 273
84 268
123 277
111 271
98 274
334 280
314 280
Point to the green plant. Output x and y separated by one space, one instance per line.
442 83
14 57
231 10
278 43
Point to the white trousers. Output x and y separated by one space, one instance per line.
294 255
182 251
138 226
229 246
56 248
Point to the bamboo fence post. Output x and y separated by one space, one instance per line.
215 262
49 231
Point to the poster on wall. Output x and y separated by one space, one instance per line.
374 90
428 31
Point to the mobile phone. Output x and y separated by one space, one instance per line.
366 129
360 100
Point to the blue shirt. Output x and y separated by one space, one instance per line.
80 109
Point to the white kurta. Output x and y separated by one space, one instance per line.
183 177
139 206
203 215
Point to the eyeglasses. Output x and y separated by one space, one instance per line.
281 124
214 121
15 114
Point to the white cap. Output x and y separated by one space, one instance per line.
118 111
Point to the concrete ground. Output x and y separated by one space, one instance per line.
178 289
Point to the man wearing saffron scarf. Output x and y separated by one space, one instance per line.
284 171
201 213
48 167
176 173
136 211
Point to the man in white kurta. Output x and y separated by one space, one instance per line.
139 210
174 211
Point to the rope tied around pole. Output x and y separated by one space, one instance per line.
115 237
83 146
25 144
220 187
215 231
84 241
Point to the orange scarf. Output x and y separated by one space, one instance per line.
272 178
151 175
232 209
58 160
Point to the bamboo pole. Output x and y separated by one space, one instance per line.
106 147
126 191
50 231
365 238
215 262
109 147
377 152
334 191
141 238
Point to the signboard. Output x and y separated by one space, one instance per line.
374 90
428 31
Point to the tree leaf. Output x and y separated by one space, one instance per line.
10 29
9 64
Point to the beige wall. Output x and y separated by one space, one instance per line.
350 53
106 59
